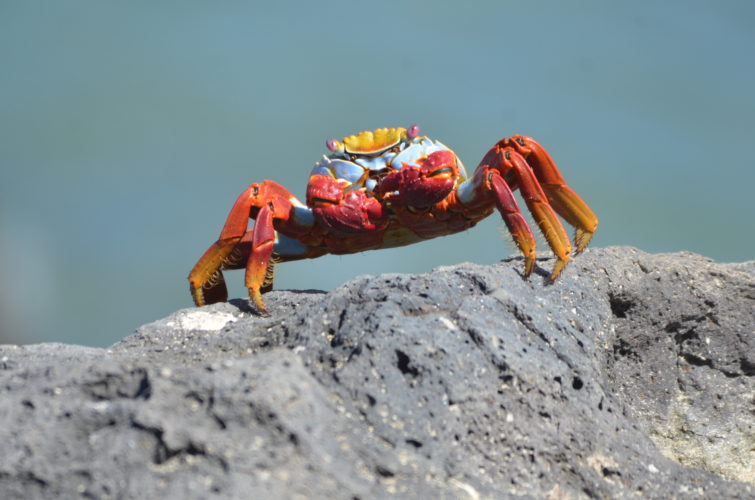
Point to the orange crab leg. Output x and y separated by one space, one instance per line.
206 281
507 159
562 198
512 216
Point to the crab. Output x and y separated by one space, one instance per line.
388 188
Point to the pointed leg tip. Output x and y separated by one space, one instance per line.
256 298
529 266
208 291
581 240
261 310
197 295
558 269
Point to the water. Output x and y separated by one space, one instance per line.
128 130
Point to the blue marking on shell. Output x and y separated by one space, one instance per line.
374 163
339 169
465 192
410 155
347 170
370 185
303 215
284 246
321 167
320 170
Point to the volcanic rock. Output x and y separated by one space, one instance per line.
632 375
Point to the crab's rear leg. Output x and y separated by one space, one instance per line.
506 160
562 198
512 216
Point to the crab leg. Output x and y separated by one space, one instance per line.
263 240
206 281
562 198
507 159
512 216
236 247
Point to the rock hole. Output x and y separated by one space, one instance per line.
383 471
609 472
620 305
405 365
577 383
694 360
144 391
748 367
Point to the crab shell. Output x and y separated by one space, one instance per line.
356 166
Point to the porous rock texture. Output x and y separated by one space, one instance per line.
631 376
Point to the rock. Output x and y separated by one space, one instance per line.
632 375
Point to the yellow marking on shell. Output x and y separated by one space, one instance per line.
369 142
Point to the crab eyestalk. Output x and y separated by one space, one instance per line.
334 145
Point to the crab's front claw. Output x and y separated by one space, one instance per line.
409 186
352 212
421 185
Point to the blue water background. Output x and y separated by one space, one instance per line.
127 130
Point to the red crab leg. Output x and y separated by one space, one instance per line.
507 159
233 246
562 198
206 281
263 240
512 216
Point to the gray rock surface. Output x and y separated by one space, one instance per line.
630 376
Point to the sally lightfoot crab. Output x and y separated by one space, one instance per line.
387 188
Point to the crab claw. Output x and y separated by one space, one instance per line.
422 185
351 212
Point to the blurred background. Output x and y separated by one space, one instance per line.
128 129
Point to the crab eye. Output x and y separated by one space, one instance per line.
331 144
413 131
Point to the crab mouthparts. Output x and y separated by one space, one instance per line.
441 171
